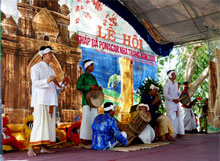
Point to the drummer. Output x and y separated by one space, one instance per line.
171 95
162 122
187 112
147 136
105 130
87 82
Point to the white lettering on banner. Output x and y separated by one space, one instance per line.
133 58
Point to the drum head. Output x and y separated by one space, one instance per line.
95 98
184 98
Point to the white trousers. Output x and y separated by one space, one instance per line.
44 126
147 135
88 116
189 119
177 122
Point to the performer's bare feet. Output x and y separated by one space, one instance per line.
179 136
86 142
31 152
45 150
162 138
170 138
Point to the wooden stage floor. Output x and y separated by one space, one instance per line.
191 147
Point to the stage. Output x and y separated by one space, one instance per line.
191 147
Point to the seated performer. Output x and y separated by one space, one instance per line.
165 128
187 112
147 135
105 132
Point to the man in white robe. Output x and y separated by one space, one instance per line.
44 99
171 95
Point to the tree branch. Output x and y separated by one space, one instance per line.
194 85
190 68
191 64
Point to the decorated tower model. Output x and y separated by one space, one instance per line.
41 22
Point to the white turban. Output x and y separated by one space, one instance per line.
88 64
170 74
111 107
152 86
45 51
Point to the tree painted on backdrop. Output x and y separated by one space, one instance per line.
114 81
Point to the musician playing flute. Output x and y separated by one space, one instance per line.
173 110
43 99
85 83
187 112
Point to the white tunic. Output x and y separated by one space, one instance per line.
42 92
170 93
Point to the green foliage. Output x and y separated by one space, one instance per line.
143 90
202 56
202 91
161 61
202 61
